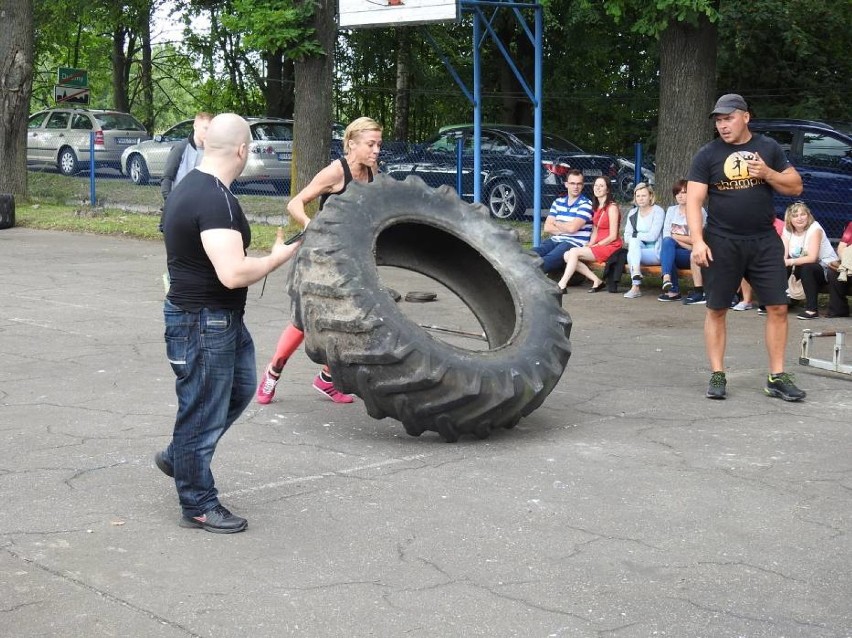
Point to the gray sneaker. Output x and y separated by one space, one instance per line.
782 386
632 293
716 389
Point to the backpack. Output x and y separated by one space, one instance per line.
614 267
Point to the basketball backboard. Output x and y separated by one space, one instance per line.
376 13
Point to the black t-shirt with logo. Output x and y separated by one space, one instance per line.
200 202
740 205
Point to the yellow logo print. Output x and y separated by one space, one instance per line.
736 170
736 166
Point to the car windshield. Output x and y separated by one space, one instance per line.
272 132
118 122
549 142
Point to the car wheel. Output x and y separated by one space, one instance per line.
504 200
67 162
374 350
138 170
625 181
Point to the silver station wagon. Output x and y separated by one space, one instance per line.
61 137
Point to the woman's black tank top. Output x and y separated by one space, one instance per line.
347 177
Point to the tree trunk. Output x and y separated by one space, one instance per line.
277 86
687 92
147 68
16 79
313 108
120 100
402 102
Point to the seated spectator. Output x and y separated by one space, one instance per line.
807 254
569 223
643 235
746 301
840 277
676 249
603 242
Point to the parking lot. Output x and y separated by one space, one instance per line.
628 505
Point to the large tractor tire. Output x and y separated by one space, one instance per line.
375 351
7 210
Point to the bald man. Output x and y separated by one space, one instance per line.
208 346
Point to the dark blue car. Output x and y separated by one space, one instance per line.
507 166
822 153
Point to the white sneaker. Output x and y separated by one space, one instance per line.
743 306
632 293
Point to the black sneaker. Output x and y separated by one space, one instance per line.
761 311
218 520
694 298
668 296
716 389
163 464
782 386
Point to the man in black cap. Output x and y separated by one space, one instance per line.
740 171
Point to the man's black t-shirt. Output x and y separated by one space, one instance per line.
740 205
200 202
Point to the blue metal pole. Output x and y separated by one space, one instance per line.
539 83
637 168
477 109
92 199
459 166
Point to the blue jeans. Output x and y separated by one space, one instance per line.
672 257
553 253
212 355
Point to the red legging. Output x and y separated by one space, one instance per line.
288 343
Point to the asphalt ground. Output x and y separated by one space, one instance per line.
627 505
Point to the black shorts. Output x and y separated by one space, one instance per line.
758 259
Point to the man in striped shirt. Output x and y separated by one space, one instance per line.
569 223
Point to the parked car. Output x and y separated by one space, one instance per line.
507 169
626 178
270 152
822 153
61 137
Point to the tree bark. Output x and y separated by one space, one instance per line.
147 67
119 63
687 93
402 100
16 78
277 86
313 108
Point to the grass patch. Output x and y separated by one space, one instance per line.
124 209
121 223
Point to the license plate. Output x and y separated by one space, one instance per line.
283 157
126 140
592 172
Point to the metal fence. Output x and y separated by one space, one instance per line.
133 180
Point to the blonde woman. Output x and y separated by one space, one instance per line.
807 254
643 235
362 142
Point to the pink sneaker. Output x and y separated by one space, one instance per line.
328 389
266 389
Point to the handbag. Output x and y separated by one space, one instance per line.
795 289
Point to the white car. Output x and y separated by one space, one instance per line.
270 153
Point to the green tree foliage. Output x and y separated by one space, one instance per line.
789 58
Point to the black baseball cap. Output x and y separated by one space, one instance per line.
729 103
